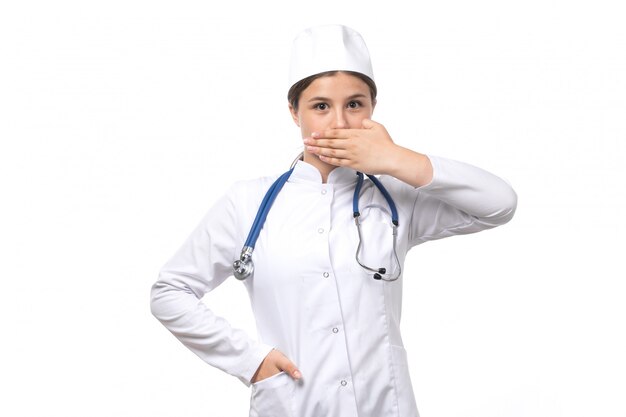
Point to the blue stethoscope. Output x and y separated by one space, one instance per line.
243 267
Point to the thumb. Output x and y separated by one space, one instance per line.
290 368
368 123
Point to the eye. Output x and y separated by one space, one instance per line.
321 106
354 104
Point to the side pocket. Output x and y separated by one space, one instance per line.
406 397
273 397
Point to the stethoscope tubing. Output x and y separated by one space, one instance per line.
384 192
264 208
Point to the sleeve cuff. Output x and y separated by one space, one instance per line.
434 163
253 361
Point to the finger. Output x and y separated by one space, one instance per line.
335 133
289 367
267 368
338 162
327 143
327 152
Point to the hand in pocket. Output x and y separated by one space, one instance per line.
274 363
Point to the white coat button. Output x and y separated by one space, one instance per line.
326 274
335 330
320 230
344 382
323 192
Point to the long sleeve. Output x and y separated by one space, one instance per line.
200 265
460 199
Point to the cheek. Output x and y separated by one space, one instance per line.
356 119
311 123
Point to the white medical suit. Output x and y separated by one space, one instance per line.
311 299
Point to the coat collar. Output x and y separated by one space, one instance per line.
304 172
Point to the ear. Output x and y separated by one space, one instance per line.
294 115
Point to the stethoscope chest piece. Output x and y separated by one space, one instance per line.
243 267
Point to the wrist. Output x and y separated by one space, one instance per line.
410 167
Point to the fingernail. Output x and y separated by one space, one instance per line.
297 374
315 134
307 141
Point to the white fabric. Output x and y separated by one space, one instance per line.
328 48
310 298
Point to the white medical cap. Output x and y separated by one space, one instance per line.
328 48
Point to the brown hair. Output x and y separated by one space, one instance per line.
294 92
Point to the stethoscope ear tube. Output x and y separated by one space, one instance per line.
379 273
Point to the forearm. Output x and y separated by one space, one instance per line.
207 335
477 192
409 166
460 199
201 264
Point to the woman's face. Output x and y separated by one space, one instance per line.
339 101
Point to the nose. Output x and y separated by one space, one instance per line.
340 121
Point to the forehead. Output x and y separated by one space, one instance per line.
336 86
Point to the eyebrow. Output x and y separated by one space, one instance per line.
353 96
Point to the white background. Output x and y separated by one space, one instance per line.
122 121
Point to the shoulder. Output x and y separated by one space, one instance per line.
251 190
405 193
241 200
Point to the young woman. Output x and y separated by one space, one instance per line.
325 276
